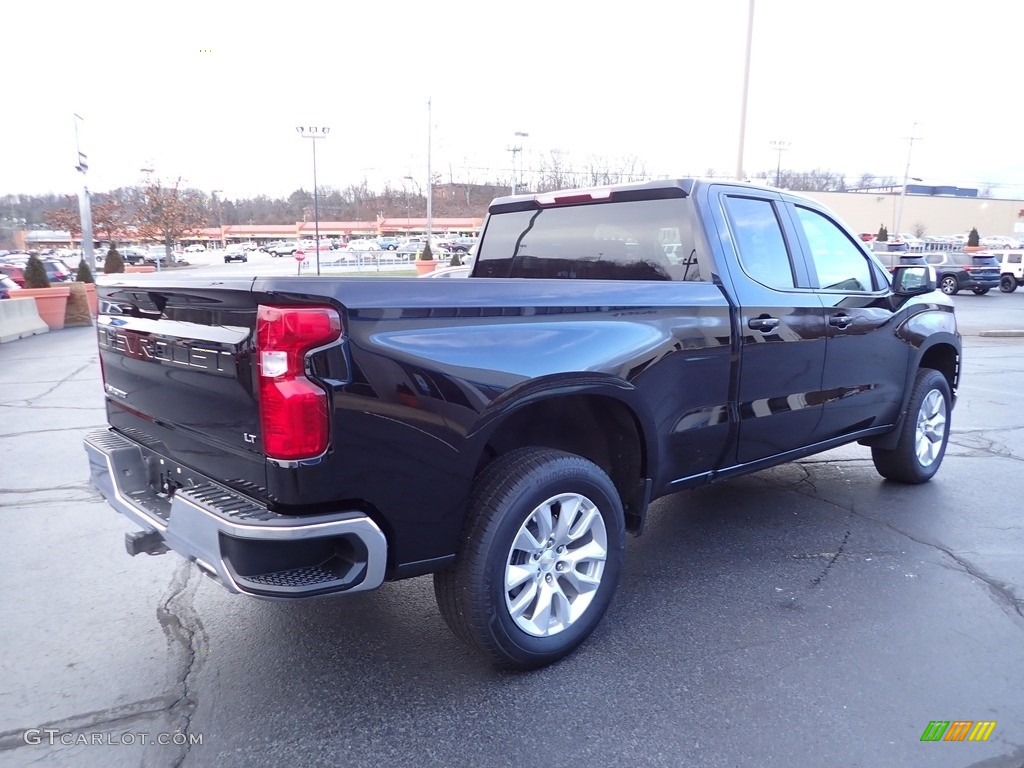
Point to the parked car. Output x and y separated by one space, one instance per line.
999 242
282 248
56 270
195 249
131 255
955 271
1011 271
388 243
411 250
13 272
7 287
543 413
158 254
461 245
236 253
363 245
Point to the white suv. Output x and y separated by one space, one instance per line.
1011 270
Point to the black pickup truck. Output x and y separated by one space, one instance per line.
298 436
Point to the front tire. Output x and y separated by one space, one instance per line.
538 560
924 434
1008 284
949 286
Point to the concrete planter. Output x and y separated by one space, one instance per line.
92 299
77 312
51 302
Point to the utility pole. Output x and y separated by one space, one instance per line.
84 205
906 174
515 149
316 132
780 147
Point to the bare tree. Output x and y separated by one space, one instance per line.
110 221
167 212
64 219
554 172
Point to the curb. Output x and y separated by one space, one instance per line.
1001 334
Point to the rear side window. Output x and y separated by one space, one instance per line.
758 237
627 240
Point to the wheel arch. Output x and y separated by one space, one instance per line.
601 419
941 352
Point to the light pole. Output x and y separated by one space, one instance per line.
405 189
84 205
746 84
516 149
316 132
149 191
780 147
220 226
906 173
430 179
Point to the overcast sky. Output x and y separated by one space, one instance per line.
213 91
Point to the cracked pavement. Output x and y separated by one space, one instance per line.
811 614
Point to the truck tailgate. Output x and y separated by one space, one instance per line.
179 375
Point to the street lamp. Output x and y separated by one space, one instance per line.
84 205
780 147
406 190
315 132
746 84
220 226
430 180
516 149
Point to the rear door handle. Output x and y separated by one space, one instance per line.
765 324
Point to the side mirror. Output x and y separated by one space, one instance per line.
913 279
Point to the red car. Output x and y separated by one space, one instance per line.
56 270
7 287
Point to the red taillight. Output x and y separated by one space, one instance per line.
293 410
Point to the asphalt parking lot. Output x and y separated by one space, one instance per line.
809 615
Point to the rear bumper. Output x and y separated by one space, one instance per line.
986 281
231 537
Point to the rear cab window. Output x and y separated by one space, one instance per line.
614 240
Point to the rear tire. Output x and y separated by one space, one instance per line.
538 560
924 434
1008 284
979 291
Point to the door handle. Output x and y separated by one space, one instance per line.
840 321
764 324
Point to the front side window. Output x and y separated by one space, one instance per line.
841 265
625 240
